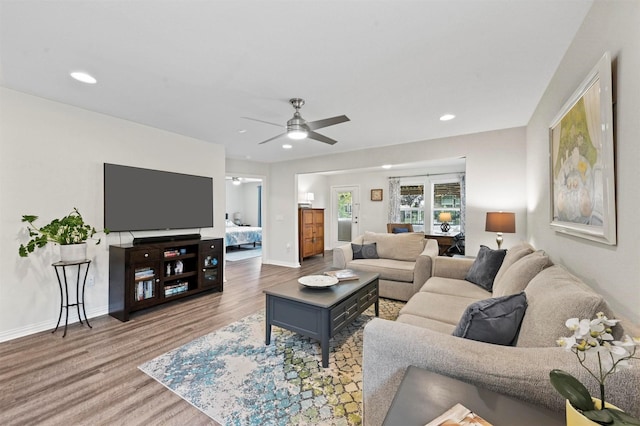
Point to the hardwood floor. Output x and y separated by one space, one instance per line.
91 377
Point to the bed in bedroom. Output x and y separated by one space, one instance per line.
236 235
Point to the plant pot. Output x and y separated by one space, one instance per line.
73 252
575 417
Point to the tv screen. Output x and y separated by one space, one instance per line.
138 199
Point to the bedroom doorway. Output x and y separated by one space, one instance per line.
244 217
345 211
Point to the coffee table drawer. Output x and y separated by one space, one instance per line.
343 313
366 297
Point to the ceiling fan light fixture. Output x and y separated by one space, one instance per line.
297 134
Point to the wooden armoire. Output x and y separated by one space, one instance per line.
311 232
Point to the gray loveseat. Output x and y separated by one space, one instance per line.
422 336
404 261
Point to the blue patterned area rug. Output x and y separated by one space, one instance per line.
234 378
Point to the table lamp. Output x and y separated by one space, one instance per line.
444 218
500 222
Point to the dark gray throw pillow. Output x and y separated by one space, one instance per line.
364 251
400 230
496 320
485 267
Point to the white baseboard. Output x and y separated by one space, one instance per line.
51 324
278 263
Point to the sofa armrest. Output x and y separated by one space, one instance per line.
452 267
341 255
390 347
424 264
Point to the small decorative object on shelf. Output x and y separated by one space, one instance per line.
593 344
178 267
70 230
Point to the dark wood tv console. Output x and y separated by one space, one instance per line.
146 275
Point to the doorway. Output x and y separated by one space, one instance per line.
345 212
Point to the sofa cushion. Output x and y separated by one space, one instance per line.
555 295
455 287
514 254
431 324
516 278
389 269
439 307
364 251
485 267
407 246
495 320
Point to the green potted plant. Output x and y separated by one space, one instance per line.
70 232
600 355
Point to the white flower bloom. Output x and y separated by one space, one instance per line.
572 324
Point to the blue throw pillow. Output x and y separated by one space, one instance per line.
485 267
399 230
496 320
364 251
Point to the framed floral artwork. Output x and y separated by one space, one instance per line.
582 160
376 195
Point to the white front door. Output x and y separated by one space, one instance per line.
345 209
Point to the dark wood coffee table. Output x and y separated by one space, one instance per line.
424 395
320 313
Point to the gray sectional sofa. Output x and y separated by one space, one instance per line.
404 261
422 335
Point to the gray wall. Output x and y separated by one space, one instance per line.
614 271
52 157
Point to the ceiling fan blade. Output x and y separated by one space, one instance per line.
318 124
270 139
321 138
262 121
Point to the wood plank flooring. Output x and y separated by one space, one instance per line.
91 377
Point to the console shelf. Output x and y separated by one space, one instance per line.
146 275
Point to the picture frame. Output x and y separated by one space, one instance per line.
582 170
376 195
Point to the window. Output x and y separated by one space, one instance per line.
412 206
446 198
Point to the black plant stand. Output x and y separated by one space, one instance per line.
64 295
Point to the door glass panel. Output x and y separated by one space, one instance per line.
345 215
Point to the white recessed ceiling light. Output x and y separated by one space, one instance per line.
386 166
242 131
447 117
83 77
287 146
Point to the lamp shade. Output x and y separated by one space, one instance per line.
501 222
445 217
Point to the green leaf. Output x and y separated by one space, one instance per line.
22 251
622 418
599 416
29 218
569 387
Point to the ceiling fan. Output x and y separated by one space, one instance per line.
299 128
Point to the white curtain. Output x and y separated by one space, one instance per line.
394 200
463 202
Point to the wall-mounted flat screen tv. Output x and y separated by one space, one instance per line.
138 199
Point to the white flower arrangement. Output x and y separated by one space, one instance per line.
593 343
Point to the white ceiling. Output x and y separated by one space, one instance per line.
197 67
